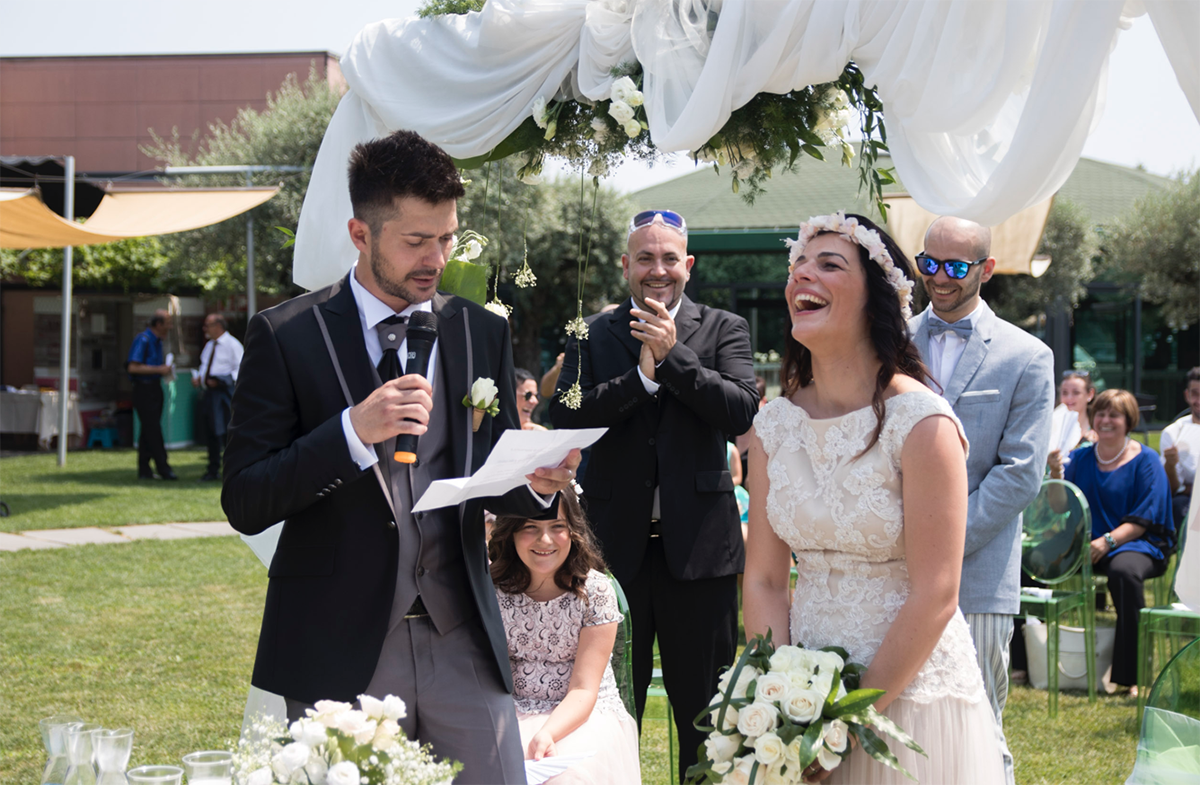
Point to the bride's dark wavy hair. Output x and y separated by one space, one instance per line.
889 332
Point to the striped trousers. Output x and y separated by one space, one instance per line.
992 633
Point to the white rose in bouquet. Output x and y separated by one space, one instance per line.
325 712
625 91
756 719
829 660
620 111
787 658
822 682
803 706
308 732
828 760
836 735
317 770
539 112
632 128
775 776
344 773
263 776
721 768
747 675
791 754
372 707
731 714
722 748
356 725
741 772
394 708
768 749
295 756
385 735
772 687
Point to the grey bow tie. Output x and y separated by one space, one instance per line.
937 327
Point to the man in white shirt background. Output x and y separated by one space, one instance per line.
1000 381
219 362
1180 447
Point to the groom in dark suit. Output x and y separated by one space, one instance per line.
366 597
672 381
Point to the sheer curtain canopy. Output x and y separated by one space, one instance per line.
987 105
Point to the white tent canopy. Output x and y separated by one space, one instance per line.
987 104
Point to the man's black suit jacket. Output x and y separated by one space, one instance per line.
333 576
676 439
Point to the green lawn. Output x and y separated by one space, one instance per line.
100 488
160 636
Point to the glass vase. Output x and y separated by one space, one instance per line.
113 748
54 738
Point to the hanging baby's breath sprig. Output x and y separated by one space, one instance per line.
577 327
498 307
525 277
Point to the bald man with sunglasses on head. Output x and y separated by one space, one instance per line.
672 381
1000 381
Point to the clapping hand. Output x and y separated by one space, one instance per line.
656 330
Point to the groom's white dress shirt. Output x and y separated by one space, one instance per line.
945 350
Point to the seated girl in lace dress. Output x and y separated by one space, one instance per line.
560 617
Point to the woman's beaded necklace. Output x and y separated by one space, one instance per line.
1113 459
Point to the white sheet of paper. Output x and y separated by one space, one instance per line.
517 454
538 771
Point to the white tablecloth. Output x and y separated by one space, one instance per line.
37 412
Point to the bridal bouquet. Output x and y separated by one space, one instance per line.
779 709
337 744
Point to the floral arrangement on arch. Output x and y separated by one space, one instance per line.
780 709
336 744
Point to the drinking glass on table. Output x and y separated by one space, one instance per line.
155 775
209 768
54 738
80 753
113 747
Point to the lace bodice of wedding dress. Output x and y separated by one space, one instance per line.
844 521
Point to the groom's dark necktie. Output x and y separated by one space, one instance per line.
391 334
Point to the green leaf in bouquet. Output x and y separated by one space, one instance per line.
702 772
756 644
810 745
886 725
831 698
465 280
877 748
854 702
839 651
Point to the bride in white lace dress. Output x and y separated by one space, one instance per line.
859 470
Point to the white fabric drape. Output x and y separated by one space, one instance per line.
987 104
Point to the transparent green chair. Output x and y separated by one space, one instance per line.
1167 627
1055 535
1169 746
622 654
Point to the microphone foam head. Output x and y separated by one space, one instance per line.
423 320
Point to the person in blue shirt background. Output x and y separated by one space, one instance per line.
1132 527
146 366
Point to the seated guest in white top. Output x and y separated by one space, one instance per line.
219 362
1180 447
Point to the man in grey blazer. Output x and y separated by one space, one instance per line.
1000 381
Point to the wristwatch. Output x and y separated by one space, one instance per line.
1108 538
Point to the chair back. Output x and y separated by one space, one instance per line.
622 654
1056 532
1177 688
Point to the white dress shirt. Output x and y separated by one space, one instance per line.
1184 436
652 386
227 360
372 311
946 350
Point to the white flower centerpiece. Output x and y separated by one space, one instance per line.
781 709
337 744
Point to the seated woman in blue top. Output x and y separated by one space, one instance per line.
1126 489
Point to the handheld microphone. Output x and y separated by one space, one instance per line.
421 333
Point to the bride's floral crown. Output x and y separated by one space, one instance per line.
856 233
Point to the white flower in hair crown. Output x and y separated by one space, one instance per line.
856 233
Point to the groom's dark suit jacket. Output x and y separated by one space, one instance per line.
676 439
333 576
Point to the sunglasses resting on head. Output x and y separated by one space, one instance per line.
668 218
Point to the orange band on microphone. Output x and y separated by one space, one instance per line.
406 457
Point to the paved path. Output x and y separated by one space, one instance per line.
91 535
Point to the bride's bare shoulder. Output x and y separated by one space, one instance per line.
901 384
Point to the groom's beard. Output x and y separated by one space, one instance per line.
397 287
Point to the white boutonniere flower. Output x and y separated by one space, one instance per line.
483 398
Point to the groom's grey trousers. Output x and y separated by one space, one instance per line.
440 662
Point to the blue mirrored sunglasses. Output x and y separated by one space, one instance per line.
955 268
669 218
